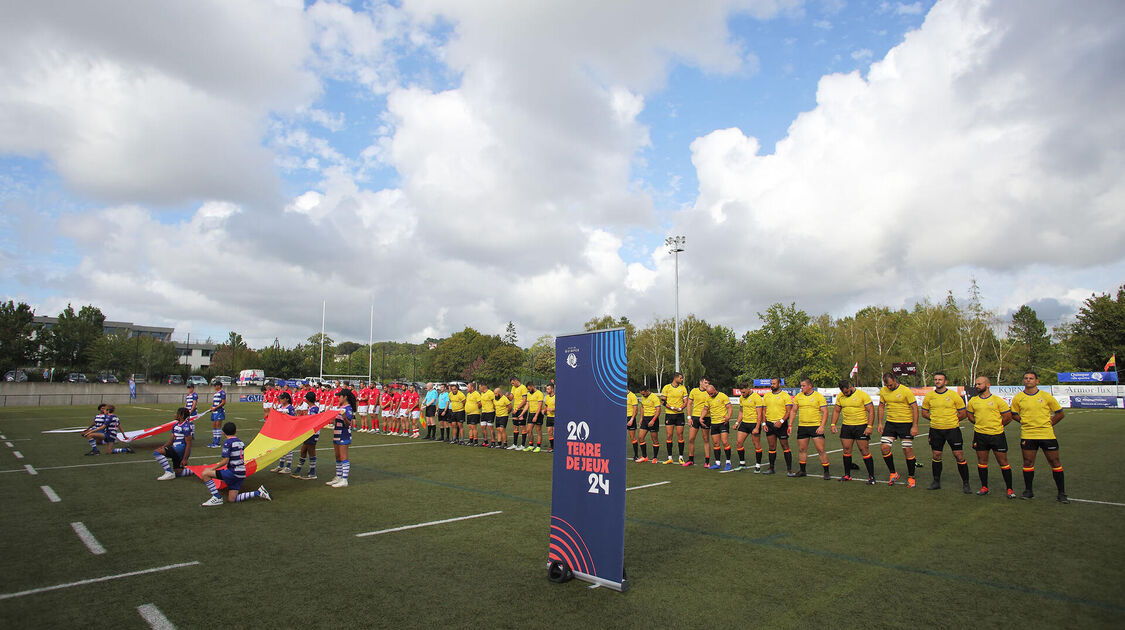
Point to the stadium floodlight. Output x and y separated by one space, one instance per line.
675 246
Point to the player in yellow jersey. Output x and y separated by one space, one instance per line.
519 422
718 416
858 413
898 420
472 412
650 425
457 412
778 409
699 401
674 396
549 417
632 410
534 417
811 410
1038 412
945 409
503 410
750 409
487 415
990 414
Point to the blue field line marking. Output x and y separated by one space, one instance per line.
773 541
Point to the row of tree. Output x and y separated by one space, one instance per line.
961 338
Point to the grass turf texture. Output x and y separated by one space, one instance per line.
707 549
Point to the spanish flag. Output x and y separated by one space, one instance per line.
1112 363
280 434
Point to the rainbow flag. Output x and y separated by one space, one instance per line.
1112 363
280 434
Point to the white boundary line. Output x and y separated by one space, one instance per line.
448 520
88 539
419 443
1098 502
156 619
52 496
107 578
30 469
648 485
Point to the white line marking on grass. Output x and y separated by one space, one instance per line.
30 470
3 437
88 539
18 454
648 485
8 444
107 578
1098 502
353 446
448 520
155 618
51 495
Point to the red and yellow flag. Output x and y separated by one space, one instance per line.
280 434
1112 363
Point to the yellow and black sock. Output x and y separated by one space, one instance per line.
982 472
1028 477
889 460
681 447
869 462
1057 473
741 457
1006 472
963 470
911 464
937 469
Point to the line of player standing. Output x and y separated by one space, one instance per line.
708 411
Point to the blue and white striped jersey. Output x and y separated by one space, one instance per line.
287 409
180 432
343 430
232 450
191 401
111 424
219 398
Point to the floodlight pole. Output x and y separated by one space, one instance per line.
322 340
370 339
675 246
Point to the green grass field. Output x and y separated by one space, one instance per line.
705 550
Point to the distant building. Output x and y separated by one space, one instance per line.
129 329
195 355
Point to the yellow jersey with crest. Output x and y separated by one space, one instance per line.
1035 411
988 413
808 408
897 403
943 408
853 409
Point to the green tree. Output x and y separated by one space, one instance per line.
1029 333
348 347
502 364
17 327
71 340
1099 330
542 354
510 334
720 356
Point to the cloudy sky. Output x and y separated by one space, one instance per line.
229 165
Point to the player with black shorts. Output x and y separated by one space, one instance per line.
857 412
945 409
632 408
1038 412
989 414
898 420
779 408
699 401
718 416
811 410
674 396
750 409
650 424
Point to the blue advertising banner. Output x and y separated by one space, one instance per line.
1091 401
250 398
588 484
1087 377
765 382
